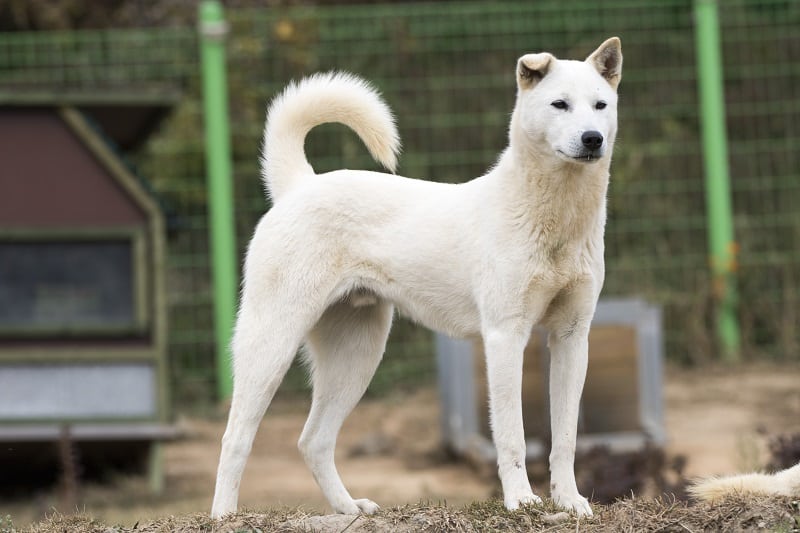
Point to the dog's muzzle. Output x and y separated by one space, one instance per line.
589 149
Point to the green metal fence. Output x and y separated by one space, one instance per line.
447 70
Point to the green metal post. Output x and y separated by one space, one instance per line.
718 196
220 190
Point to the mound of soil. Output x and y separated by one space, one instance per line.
734 514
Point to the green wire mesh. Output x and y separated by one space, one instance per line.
447 70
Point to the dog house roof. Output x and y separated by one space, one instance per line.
127 119
67 172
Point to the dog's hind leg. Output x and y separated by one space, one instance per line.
344 348
261 358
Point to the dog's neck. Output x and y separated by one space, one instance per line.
554 196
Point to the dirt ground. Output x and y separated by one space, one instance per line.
389 450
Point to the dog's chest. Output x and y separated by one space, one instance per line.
558 267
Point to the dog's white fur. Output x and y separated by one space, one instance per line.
519 246
783 483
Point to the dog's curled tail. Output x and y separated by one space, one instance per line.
318 99
783 483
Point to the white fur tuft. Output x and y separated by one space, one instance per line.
784 483
318 99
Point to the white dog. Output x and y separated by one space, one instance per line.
519 246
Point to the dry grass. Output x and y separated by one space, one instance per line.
734 514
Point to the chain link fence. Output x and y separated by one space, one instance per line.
447 70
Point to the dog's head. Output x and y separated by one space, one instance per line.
568 109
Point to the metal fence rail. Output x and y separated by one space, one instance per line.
447 71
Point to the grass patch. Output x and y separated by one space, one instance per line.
733 514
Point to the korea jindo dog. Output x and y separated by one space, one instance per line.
519 246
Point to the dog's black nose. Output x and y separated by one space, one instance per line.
592 139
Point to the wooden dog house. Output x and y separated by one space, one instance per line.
83 333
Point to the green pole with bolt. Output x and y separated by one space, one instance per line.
722 246
213 30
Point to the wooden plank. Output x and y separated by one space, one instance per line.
88 432
611 393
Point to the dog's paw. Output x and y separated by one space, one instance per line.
222 507
366 506
354 507
574 503
515 501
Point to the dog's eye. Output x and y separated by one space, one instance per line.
600 105
559 104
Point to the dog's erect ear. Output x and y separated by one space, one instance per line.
607 59
531 68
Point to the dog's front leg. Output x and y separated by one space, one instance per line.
568 363
504 354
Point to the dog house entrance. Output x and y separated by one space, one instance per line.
67 287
